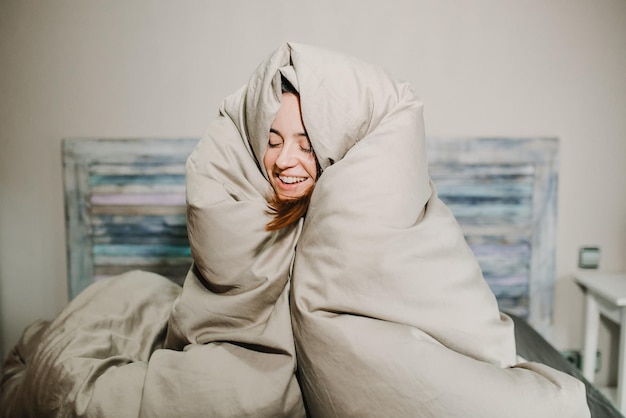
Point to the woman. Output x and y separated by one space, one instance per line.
375 288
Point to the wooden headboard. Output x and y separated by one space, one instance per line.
503 192
125 209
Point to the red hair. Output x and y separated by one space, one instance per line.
287 212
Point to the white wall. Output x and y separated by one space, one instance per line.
160 68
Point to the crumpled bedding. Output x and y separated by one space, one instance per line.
372 306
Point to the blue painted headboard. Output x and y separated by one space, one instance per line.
503 192
125 209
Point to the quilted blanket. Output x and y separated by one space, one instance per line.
371 306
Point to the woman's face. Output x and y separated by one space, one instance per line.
289 158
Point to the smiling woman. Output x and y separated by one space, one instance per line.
290 162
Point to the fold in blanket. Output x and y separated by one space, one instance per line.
375 291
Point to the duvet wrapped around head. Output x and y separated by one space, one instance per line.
390 312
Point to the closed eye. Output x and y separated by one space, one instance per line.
275 139
305 143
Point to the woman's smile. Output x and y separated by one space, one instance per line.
291 186
291 180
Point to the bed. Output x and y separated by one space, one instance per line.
125 210
534 347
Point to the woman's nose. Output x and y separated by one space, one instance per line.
287 157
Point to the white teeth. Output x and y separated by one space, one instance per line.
291 180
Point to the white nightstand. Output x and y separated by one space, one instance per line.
605 293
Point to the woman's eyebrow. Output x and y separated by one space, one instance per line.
274 131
